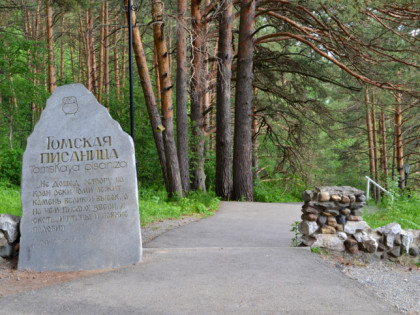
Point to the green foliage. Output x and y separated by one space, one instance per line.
280 190
11 166
404 209
316 250
10 199
154 204
294 229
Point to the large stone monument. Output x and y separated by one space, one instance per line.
79 188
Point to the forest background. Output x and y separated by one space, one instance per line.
246 100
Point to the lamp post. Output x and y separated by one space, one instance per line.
130 7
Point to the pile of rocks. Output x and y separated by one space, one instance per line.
332 218
9 235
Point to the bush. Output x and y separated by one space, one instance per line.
10 199
11 166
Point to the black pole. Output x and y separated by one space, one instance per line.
130 61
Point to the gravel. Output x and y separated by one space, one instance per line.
398 283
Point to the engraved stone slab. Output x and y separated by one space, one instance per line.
79 188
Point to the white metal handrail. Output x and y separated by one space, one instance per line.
370 180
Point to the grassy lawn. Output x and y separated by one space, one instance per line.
153 203
403 210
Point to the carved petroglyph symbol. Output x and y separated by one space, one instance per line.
70 105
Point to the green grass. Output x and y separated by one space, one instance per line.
10 199
155 206
278 191
153 203
403 210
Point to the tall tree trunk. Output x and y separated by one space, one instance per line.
92 52
116 65
243 185
50 41
375 148
101 62
172 164
370 140
197 141
255 142
123 62
181 96
73 73
399 139
384 157
106 52
223 116
86 44
62 51
149 95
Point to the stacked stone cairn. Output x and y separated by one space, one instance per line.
332 218
9 235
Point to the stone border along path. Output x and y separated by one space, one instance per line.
237 261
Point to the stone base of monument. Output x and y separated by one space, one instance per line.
332 218
79 188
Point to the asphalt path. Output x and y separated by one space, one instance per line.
238 261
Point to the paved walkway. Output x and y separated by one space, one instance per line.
235 262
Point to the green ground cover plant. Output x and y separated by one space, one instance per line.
153 203
404 209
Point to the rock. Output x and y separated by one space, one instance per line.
414 251
331 221
397 240
351 245
3 240
335 197
345 211
9 225
357 205
322 219
311 217
406 241
361 198
327 205
357 212
1 260
6 251
307 195
352 226
327 214
345 199
307 227
332 212
330 241
390 231
310 209
323 196
326 229
341 219
342 236
307 240
340 227
354 218
395 252
367 242
352 198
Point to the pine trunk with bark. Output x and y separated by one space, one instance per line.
243 185
197 72
223 106
172 164
384 156
149 95
50 41
370 141
181 96
399 149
